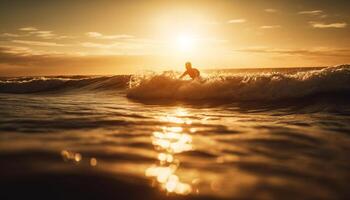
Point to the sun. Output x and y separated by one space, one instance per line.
185 42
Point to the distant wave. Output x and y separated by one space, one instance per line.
243 87
75 83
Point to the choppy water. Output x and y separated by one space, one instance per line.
237 135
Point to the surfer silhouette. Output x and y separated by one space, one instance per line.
192 72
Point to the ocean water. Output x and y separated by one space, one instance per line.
234 134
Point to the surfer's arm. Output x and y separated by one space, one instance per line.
184 74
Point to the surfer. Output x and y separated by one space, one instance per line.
192 72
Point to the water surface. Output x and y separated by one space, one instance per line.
93 138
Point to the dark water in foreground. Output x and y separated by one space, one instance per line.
255 136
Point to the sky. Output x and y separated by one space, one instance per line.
67 37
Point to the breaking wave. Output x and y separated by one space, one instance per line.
243 87
257 86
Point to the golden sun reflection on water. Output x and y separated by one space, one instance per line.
75 157
169 141
178 117
71 156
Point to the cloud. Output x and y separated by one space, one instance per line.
98 35
236 21
94 34
9 35
311 12
331 25
270 10
331 52
49 35
129 45
97 45
315 13
34 32
30 28
16 61
270 26
44 34
17 50
38 43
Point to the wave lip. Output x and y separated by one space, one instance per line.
243 87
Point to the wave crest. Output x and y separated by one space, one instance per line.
73 83
242 87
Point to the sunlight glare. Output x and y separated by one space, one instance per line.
169 141
186 42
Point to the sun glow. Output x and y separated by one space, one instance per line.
186 42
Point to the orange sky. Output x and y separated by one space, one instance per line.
119 37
